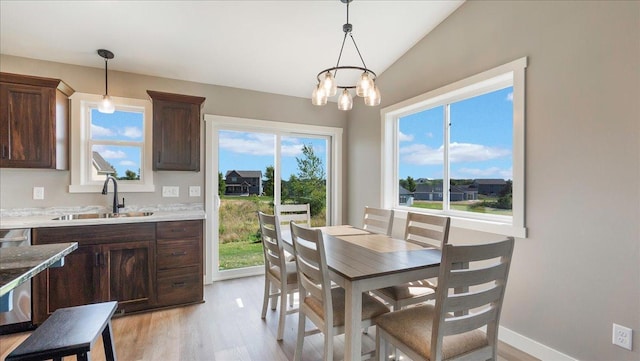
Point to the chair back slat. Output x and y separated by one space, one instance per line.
297 213
427 230
378 220
475 308
271 240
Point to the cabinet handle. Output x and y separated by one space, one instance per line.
159 156
183 253
97 263
5 152
178 284
178 230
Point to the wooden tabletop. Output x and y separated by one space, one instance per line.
18 264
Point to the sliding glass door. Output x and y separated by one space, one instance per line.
256 165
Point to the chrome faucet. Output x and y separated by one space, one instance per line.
116 206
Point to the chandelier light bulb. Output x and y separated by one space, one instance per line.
364 85
329 84
319 96
373 97
345 101
106 106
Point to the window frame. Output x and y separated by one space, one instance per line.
510 74
80 144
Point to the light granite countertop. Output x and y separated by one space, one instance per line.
44 217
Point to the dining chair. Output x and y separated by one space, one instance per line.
433 332
278 273
430 231
378 220
323 305
297 213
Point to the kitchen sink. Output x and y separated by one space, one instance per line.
70 217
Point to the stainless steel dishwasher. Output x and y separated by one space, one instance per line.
19 318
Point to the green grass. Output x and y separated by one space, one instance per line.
240 254
462 206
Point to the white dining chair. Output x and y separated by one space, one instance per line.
323 305
378 220
433 332
430 231
297 213
279 275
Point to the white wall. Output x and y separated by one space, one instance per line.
16 184
579 269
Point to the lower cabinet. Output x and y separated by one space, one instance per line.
124 263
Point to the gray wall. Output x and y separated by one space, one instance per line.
16 184
579 269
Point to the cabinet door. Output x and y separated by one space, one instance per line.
76 283
28 129
129 268
176 136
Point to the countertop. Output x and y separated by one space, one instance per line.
35 218
18 264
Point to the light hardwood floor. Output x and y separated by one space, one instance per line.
226 327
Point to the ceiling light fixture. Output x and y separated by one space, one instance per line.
328 85
106 106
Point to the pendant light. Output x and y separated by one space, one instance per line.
328 84
106 106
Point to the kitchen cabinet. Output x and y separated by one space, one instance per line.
176 131
179 262
34 122
112 263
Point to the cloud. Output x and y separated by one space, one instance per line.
128 163
491 172
252 144
421 154
510 97
404 137
99 131
132 132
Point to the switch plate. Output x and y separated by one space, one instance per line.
38 193
622 336
170 191
194 191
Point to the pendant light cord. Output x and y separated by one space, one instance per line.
106 78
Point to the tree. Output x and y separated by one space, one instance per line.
268 185
310 167
410 184
309 186
222 185
130 175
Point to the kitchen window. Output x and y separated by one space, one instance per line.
459 151
118 144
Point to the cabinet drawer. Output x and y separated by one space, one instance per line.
179 287
179 229
178 254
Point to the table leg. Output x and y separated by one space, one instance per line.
353 321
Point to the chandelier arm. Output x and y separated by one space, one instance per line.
344 39
358 50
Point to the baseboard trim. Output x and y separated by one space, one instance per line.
532 347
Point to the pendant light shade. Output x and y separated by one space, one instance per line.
327 78
106 106
345 102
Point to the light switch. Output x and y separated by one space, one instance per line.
194 191
38 193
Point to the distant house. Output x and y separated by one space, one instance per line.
100 167
428 192
243 182
406 197
490 187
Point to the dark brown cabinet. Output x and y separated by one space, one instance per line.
34 122
140 265
179 262
176 131
112 263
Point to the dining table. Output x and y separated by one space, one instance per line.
361 261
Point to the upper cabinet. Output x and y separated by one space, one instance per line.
34 122
176 131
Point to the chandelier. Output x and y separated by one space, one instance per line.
328 85
106 106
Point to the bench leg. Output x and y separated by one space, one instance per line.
107 340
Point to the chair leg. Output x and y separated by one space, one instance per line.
107 340
328 344
265 299
291 299
381 347
283 312
274 297
297 353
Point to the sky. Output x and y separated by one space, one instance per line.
481 139
118 127
256 151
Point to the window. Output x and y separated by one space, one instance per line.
118 144
459 151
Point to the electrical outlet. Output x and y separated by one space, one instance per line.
194 191
38 192
622 336
172 191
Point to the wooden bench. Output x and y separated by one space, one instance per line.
69 331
